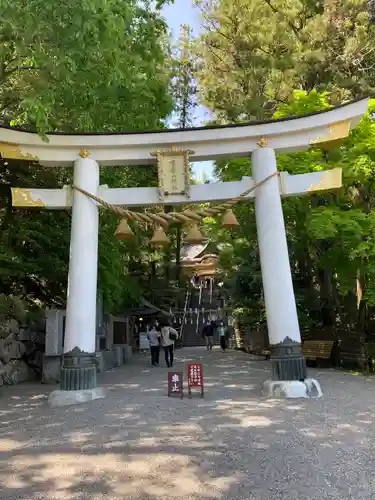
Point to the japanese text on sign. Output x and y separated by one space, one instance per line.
175 384
173 170
173 175
195 378
195 375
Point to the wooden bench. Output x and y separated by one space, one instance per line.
317 349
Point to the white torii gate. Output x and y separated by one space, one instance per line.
262 140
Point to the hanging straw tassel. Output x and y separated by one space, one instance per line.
194 236
159 238
229 220
123 230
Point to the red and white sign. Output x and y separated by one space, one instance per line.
195 377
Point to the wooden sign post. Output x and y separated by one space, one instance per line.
175 384
195 378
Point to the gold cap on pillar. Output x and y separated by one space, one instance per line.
229 219
159 238
123 230
194 236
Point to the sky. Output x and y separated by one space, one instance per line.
184 12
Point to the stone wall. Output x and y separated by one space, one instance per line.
250 340
34 353
21 352
109 357
112 358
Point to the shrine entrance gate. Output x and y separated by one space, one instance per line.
171 150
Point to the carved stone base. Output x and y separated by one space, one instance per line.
288 362
68 398
310 388
78 371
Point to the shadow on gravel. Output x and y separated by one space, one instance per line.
234 444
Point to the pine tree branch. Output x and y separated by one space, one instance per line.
278 11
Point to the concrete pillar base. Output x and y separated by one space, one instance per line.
78 371
309 388
67 398
287 361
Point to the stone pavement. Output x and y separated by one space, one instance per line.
234 444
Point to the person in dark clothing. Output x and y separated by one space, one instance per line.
154 340
214 328
223 334
208 334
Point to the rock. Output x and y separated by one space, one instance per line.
13 326
17 371
9 338
9 329
4 355
14 350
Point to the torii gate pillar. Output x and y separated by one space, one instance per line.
78 371
288 363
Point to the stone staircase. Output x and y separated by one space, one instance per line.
192 336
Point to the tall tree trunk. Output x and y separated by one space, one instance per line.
361 304
178 252
326 298
167 253
371 11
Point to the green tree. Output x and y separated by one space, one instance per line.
253 54
184 92
76 67
183 84
279 58
82 66
330 235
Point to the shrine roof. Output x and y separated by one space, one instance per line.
147 310
189 252
290 134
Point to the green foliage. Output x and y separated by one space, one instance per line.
330 235
254 57
34 244
112 268
98 65
303 103
82 66
183 85
254 54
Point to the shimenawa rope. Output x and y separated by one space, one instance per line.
186 216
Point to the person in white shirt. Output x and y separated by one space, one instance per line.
154 339
167 339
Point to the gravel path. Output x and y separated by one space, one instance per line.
234 444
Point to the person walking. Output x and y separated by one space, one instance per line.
208 333
167 339
223 332
154 339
